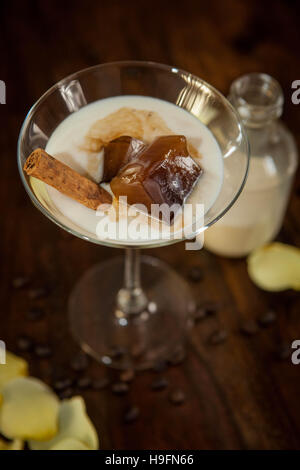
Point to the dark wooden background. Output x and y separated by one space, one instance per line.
240 395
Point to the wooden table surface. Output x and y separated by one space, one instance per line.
240 395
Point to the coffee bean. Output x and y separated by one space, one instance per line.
117 352
20 282
62 383
38 293
43 351
120 388
196 274
178 356
284 352
218 337
159 384
248 328
84 382
206 309
99 384
160 366
79 362
177 397
267 318
127 375
131 414
35 314
67 393
200 314
211 308
24 343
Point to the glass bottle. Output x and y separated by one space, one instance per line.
257 215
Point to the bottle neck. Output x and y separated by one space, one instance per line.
261 130
258 99
261 136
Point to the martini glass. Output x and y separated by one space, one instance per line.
132 311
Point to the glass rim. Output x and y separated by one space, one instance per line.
140 63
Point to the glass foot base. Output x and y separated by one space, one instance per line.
136 341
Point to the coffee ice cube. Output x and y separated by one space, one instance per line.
117 153
163 172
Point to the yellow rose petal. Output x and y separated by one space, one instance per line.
29 410
74 424
275 267
69 443
15 367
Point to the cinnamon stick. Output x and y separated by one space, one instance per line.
43 166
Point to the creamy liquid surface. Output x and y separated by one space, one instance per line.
68 143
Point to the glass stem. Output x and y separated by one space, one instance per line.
132 272
131 299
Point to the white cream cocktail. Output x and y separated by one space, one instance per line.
74 142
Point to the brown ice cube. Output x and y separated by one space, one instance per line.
117 153
163 172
